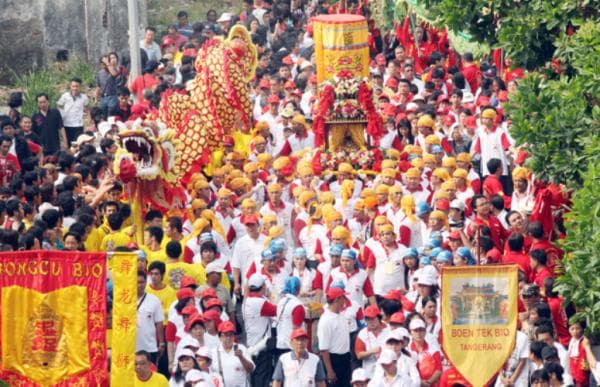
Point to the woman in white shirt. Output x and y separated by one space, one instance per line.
186 361
231 360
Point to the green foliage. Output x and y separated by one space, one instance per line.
35 82
558 117
526 29
551 119
79 68
580 282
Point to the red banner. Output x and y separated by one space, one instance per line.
53 323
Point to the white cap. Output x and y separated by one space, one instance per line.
416 323
186 352
426 279
411 106
256 280
188 341
387 356
359 375
204 352
194 375
398 334
457 203
305 64
83 138
418 97
104 127
225 16
214 267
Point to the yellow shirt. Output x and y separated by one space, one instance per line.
93 240
166 296
242 142
158 255
156 380
177 270
113 240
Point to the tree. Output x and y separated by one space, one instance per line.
526 30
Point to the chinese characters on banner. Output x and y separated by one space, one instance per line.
341 43
479 319
53 318
124 270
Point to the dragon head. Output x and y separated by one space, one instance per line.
149 147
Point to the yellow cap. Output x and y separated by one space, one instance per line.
251 167
261 125
426 121
340 232
449 185
460 173
413 172
441 174
418 163
258 140
305 171
463 157
393 153
437 214
248 203
382 189
394 189
432 139
367 192
218 172
489 113
389 163
274 187
281 162
520 173
264 158
305 197
326 197
428 158
388 172
198 204
449 162
224 193
269 218
386 228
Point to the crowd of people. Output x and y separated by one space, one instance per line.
281 272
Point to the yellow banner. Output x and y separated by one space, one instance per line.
479 319
341 43
124 315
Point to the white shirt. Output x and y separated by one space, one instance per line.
521 351
149 313
71 109
389 268
298 143
227 364
244 251
333 333
400 380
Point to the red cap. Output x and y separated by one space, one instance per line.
191 52
312 79
493 256
289 85
287 60
389 110
212 315
187 281
168 41
297 92
393 294
380 59
298 333
442 98
208 293
189 310
226 327
397 318
264 84
449 120
273 98
228 141
400 117
212 302
391 82
454 234
372 311
470 122
184 293
249 219
442 111
334 293
442 204
196 318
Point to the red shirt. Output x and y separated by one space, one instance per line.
520 259
554 253
540 275
498 232
451 377
560 319
9 167
492 186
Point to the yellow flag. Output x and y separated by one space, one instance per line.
479 319
52 331
124 269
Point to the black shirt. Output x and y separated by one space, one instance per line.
47 128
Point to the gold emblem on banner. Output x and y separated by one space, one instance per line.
44 342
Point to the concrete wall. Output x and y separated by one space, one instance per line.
33 31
